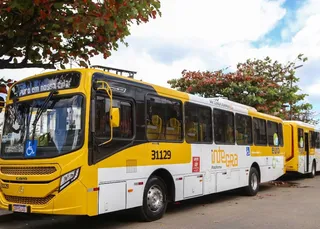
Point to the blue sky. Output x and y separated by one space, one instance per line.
217 34
275 36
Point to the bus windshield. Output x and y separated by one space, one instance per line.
58 130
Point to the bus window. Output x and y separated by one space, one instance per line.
125 130
223 127
317 140
122 135
260 132
164 119
198 122
243 129
312 139
273 133
300 138
280 134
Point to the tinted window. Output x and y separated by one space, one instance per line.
164 119
273 133
317 140
280 134
243 129
313 139
260 133
122 135
300 138
102 125
198 123
223 126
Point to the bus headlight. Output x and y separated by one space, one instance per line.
68 178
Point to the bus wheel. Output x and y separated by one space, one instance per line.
253 186
154 200
313 170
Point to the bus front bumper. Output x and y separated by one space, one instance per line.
70 201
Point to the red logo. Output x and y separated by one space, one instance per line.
195 164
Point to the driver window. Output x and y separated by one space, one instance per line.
102 125
102 117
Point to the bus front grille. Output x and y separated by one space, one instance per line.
28 200
24 171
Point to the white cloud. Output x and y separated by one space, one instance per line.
213 35
211 23
147 68
207 35
299 20
314 89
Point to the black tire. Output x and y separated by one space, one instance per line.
253 182
313 170
155 187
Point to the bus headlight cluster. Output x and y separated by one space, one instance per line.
68 178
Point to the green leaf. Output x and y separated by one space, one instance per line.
10 34
83 63
62 66
55 26
58 5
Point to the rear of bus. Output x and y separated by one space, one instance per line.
300 148
44 148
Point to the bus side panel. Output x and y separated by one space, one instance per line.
270 161
317 156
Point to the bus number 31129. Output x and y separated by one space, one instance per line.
161 154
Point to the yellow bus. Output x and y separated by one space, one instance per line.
89 142
302 148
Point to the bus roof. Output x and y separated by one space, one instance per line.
300 123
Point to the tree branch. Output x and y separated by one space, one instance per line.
28 47
4 64
7 60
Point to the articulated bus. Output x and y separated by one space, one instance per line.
302 142
89 142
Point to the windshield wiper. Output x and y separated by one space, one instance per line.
15 107
41 110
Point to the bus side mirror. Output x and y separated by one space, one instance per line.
115 117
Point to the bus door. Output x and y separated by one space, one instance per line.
307 150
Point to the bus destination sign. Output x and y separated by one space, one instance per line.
60 81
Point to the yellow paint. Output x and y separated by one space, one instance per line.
64 202
115 121
180 153
293 151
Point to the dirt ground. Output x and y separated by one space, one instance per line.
291 203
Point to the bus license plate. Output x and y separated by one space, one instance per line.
19 208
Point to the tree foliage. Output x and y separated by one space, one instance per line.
42 33
269 86
4 86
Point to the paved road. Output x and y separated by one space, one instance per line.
292 204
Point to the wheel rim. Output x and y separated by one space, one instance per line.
155 198
313 170
254 181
